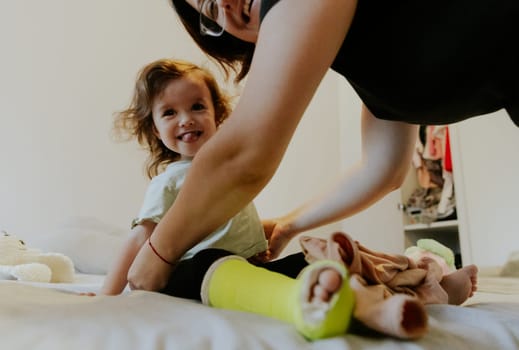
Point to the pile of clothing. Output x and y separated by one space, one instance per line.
434 197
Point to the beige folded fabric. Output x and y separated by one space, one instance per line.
398 315
391 289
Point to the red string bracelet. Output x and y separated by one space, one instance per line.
157 253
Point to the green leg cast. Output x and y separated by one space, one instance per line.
235 284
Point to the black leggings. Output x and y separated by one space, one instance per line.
186 280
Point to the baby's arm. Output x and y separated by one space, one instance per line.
116 280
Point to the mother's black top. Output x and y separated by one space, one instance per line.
432 61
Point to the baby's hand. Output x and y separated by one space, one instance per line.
260 258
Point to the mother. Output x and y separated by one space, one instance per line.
411 62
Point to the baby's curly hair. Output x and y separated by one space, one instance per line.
137 121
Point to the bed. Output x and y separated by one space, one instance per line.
53 316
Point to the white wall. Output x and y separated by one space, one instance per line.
311 163
489 189
380 226
66 67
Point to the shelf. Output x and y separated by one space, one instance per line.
439 226
446 232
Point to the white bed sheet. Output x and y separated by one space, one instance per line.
52 316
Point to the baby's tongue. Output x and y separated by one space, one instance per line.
190 136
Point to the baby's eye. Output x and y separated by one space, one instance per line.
198 107
169 113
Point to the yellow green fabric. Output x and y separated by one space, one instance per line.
238 285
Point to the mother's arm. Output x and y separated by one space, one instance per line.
387 148
297 43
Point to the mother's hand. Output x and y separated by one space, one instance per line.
278 233
148 271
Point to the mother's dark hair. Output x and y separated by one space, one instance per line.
230 52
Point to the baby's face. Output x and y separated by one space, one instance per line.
184 115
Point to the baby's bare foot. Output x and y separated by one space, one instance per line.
328 283
461 284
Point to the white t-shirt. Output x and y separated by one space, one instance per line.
242 235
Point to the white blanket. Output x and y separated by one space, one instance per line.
53 316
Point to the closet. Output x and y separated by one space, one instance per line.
486 190
429 207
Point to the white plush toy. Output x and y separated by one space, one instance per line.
428 247
21 263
